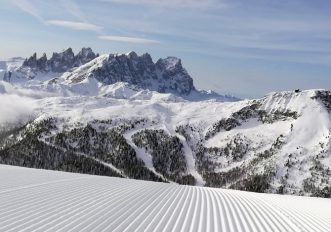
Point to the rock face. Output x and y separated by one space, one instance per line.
84 56
172 70
59 62
165 76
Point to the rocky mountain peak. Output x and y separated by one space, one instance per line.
147 57
166 76
132 55
31 61
60 62
170 63
84 56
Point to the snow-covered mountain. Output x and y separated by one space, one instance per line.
88 73
94 119
166 75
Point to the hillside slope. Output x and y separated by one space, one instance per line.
106 115
277 144
39 200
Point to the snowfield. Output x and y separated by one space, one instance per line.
40 200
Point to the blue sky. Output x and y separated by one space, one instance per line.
246 48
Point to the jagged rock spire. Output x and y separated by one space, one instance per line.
60 62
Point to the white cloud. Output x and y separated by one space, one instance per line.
72 8
75 25
15 109
15 105
69 5
128 39
27 7
172 3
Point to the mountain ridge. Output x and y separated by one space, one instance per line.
280 143
65 69
59 62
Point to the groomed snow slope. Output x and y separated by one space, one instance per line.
40 200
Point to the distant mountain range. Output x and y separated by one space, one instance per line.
67 70
124 115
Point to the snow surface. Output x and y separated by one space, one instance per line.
40 200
